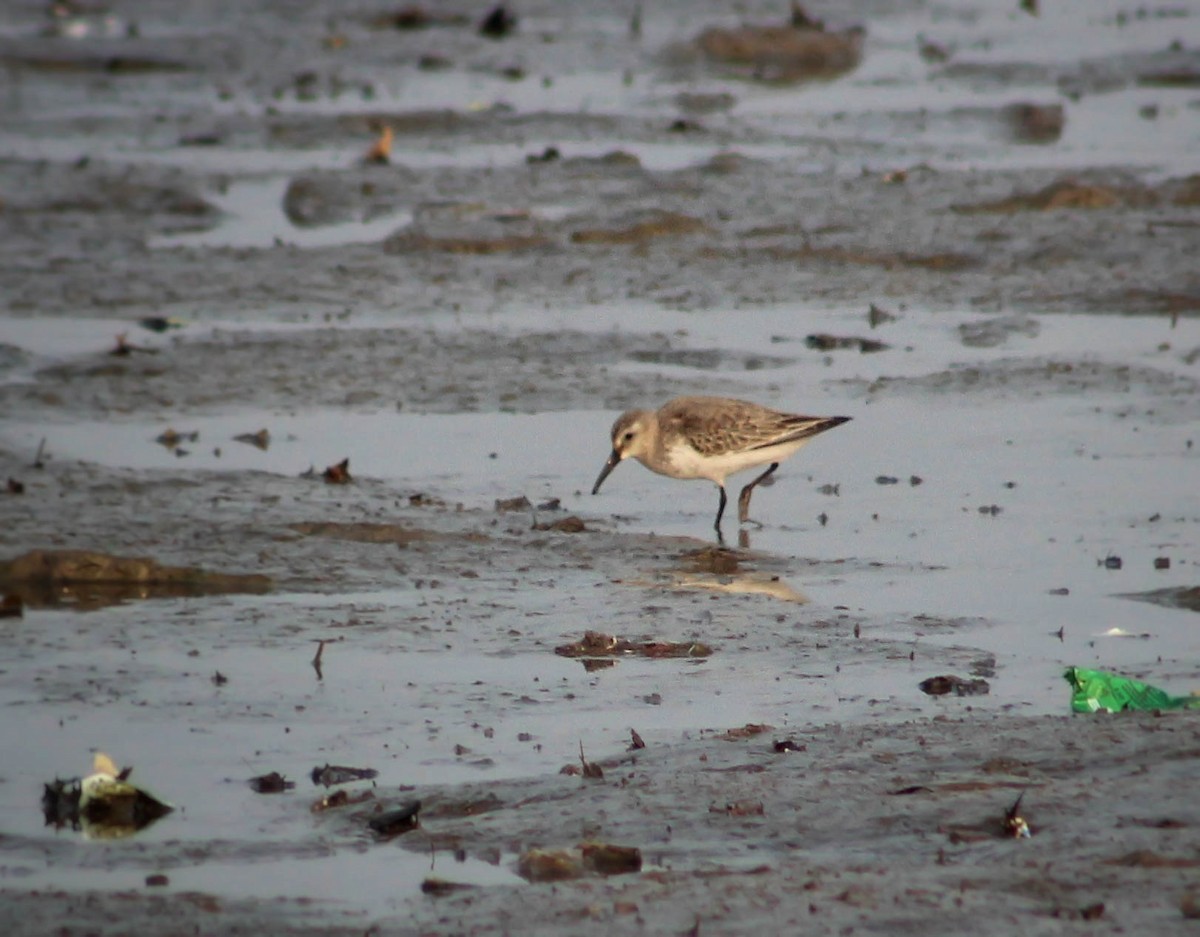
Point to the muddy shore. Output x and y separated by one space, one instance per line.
972 236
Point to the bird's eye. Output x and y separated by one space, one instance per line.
628 436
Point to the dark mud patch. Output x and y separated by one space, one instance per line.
1041 378
1182 597
363 532
429 370
88 579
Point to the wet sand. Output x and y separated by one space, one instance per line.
576 220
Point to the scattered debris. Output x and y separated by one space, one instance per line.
1099 691
788 745
260 440
218 678
877 316
799 50
160 323
340 798
566 525
316 661
1035 123
749 730
104 805
507 505
394 822
122 348
740 808
171 439
1014 823
598 644
550 154
15 486
338 474
608 859
550 865
822 341
558 865
273 783
1110 562
635 742
380 153
948 683
437 887
589 768
499 22
329 775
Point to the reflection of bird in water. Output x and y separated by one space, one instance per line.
712 437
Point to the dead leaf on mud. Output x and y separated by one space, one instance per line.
395 822
329 775
749 730
566 525
380 153
518 503
635 742
740 808
260 440
338 474
1014 824
171 439
499 22
949 683
439 886
558 865
598 644
797 51
608 859
550 865
340 798
271 783
1035 123
825 342
589 769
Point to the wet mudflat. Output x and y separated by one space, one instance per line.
971 236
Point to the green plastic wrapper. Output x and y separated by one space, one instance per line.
1097 691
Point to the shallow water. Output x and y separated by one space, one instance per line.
1078 434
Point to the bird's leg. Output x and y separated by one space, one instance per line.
720 511
744 497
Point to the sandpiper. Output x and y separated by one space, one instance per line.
712 437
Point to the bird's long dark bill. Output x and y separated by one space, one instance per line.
613 461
